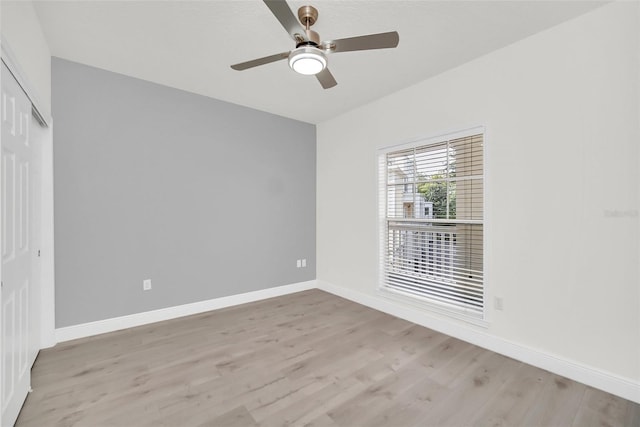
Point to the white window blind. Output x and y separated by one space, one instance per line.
432 199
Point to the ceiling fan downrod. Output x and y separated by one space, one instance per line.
308 15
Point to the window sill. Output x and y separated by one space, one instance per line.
434 307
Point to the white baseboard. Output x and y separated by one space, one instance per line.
611 383
117 323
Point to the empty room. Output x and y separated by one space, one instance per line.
320 213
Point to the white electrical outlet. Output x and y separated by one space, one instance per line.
304 262
299 263
498 303
146 285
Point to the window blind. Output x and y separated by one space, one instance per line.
432 199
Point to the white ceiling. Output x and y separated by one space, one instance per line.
191 44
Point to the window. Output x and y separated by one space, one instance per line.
435 251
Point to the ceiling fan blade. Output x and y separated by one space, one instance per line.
260 61
283 13
371 41
326 79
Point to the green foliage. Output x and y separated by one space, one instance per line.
435 191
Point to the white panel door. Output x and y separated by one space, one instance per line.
15 206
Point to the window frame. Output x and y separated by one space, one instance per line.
425 303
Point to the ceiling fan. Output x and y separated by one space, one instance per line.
310 55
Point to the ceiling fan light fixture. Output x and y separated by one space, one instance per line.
307 60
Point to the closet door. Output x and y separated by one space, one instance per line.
17 253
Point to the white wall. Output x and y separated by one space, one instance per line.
562 117
21 30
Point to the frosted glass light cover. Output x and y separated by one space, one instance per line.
307 60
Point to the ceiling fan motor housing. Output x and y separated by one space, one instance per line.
313 39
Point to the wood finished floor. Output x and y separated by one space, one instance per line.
309 358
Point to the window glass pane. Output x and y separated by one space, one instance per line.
434 193
441 261
400 167
469 200
465 156
401 201
431 162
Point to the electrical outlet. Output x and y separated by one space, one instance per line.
304 262
498 303
299 263
146 285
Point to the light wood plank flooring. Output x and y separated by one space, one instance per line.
310 359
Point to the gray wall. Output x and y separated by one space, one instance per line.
205 198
